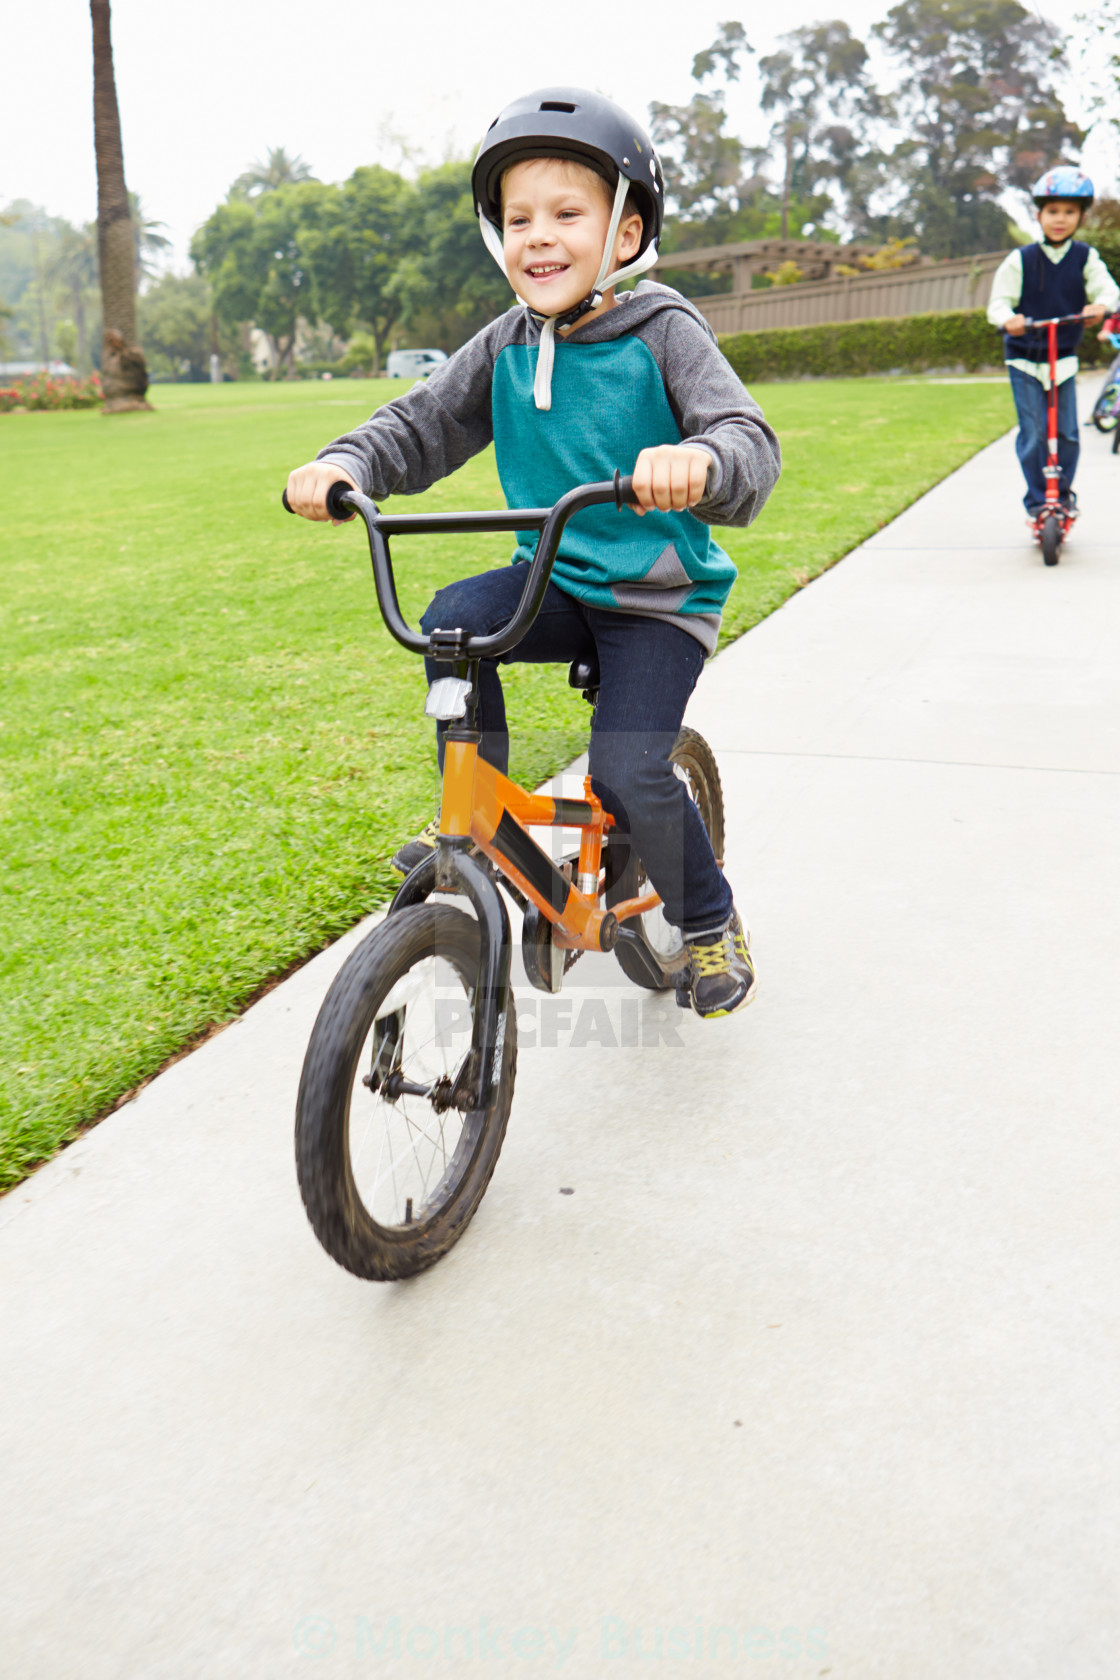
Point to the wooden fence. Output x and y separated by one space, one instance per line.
963 283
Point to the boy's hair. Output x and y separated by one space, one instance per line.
630 208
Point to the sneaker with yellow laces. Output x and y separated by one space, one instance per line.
415 851
721 973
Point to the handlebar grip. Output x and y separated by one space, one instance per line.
336 499
335 506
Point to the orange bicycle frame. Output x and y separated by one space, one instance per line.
479 802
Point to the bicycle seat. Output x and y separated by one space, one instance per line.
584 673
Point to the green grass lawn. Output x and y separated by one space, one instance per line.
209 745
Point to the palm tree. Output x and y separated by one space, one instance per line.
124 373
148 241
278 170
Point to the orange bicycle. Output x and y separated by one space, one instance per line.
408 1079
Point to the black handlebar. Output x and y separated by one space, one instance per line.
343 501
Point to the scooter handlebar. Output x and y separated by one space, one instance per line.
1052 320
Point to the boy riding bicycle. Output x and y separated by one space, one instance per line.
569 385
1057 275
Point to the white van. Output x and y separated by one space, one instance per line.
413 364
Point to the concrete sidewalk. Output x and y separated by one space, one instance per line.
815 1373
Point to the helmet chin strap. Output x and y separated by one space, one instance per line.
542 384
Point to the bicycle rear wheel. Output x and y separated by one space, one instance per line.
664 954
390 1171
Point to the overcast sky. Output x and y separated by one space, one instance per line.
206 87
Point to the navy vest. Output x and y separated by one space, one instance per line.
1050 289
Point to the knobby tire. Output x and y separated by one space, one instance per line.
331 1091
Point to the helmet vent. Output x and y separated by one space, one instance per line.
557 105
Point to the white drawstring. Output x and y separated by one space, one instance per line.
542 384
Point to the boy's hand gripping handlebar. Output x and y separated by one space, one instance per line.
448 644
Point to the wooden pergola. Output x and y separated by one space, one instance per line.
816 259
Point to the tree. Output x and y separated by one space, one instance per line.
715 191
124 375
980 113
260 257
148 242
819 92
278 170
310 251
48 272
356 250
175 327
1097 69
448 286
1102 229
73 270
702 164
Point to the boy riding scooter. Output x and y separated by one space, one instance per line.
1057 276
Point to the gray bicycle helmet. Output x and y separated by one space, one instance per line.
584 128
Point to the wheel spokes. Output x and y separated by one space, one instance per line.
412 1055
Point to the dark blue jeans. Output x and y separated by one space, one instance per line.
647 670
1030 445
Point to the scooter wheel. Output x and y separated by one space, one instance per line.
1051 540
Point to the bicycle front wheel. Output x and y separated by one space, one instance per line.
1106 412
391 1171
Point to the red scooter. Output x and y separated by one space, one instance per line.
1052 523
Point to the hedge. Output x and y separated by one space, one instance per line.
1107 242
957 338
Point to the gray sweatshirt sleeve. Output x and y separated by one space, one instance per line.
714 411
428 432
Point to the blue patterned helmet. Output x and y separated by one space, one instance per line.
1066 181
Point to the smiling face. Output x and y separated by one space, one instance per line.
1060 219
555 217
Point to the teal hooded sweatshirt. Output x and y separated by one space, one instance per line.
644 373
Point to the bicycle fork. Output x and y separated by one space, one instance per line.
478 1078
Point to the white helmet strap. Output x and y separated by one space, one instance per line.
542 383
